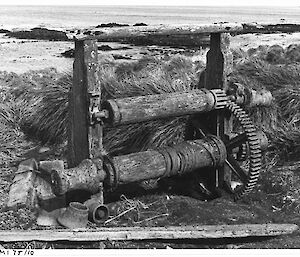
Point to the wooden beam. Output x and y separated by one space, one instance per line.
165 30
85 83
268 28
159 30
144 233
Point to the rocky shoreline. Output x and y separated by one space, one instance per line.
39 48
190 41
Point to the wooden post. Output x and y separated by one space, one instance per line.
83 98
219 61
218 67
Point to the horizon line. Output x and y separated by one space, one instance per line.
158 5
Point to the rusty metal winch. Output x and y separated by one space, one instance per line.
235 152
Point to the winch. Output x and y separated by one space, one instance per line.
221 138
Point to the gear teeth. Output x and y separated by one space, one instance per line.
256 161
220 97
252 132
254 149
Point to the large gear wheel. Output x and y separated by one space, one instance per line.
246 172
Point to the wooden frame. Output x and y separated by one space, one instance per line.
84 136
86 92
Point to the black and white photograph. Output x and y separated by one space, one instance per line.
164 127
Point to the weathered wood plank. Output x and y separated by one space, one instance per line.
160 30
164 30
21 192
267 28
85 82
144 233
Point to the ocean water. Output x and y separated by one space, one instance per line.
61 17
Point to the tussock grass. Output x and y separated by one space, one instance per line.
280 121
47 123
277 70
47 119
35 103
12 141
42 99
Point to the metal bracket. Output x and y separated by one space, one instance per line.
96 115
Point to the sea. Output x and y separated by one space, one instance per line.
70 17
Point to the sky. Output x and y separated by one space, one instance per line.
157 2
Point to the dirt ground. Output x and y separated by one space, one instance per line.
169 208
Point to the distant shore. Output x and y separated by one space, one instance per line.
42 48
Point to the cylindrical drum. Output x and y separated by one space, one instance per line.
144 108
169 161
182 158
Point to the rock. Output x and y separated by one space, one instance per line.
4 31
108 48
87 32
40 33
68 53
105 48
140 24
111 25
118 57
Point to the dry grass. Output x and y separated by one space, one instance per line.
47 120
35 105
38 105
